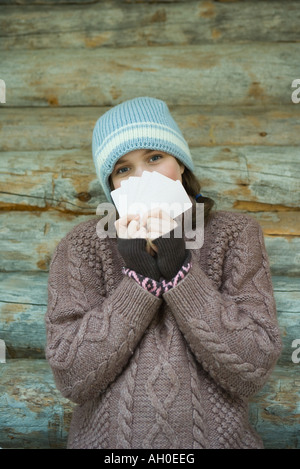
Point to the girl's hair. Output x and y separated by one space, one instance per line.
193 187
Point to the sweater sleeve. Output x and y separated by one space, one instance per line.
233 332
89 341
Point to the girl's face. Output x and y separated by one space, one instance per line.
137 161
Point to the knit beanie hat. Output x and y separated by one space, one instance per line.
140 123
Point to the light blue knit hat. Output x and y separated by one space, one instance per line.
140 123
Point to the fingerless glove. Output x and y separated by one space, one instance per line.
159 288
171 254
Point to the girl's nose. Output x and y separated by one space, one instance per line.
139 170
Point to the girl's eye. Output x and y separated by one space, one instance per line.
122 170
155 157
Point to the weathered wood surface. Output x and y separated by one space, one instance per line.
23 304
34 415
236 62
236 177
275 411
104 77
71 128
28 240
151 24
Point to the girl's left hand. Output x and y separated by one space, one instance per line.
157 223
170 250
129 227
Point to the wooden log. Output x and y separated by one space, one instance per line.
119 24
202 126
287 293
283 255
237 176
28 240
24 299
34 415
64 180
290 331
278 223
250 179
274 411
261 75
67 128
23 306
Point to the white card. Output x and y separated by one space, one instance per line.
151 190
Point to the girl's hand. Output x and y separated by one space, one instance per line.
134 249
156 222
129 227
170 250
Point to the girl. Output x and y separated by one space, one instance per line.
159 349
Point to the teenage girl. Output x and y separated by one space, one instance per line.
159 348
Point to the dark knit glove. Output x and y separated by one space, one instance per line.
159 288
137 258
171 254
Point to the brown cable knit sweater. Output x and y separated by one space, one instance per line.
170 372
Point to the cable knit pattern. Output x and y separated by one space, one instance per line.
162 425
173 370
199 428
125 415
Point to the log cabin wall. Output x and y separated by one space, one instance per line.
226 70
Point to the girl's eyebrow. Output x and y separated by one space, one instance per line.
122 161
